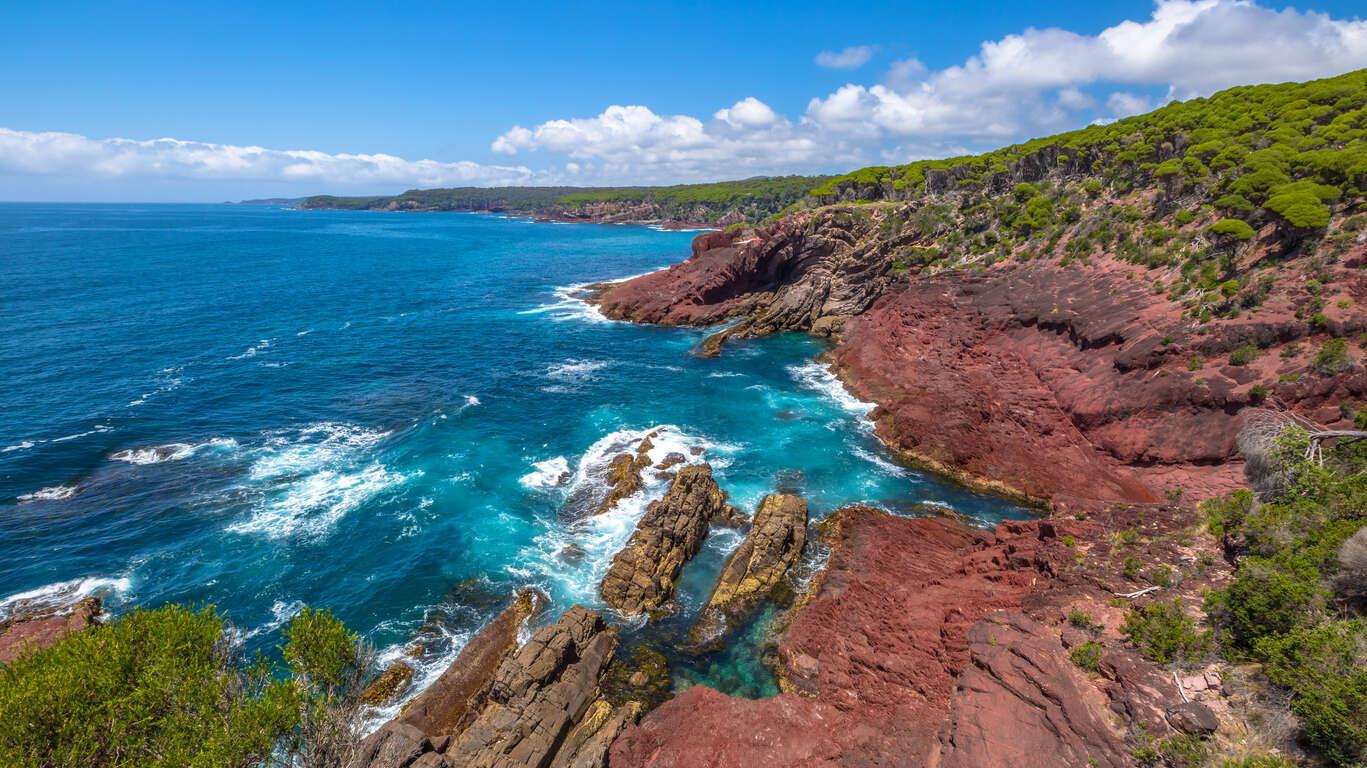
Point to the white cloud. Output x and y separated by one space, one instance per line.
72 155
1122 104
1032 83
1072 98
1023 85
634 144
853 57
749 112
1189 47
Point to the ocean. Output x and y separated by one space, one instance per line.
390 415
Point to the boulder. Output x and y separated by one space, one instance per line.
642 577
394 745
774 543
1193 717
388 685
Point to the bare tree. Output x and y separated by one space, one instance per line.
1262 441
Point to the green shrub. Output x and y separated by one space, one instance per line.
1257 393
167 687
1131 567
1325 667
1183 218
1268 596
1079 618
1164 633
1244 355
1087 655
1332 358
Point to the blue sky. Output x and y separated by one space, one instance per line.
363 94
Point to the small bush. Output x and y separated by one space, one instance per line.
1332 358
1087 656
1244 355
1164 633
1131 568
1079 618
1326 669
1234 229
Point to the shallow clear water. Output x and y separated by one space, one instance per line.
262 408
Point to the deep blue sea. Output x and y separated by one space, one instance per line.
379 413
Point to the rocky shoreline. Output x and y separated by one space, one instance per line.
922 641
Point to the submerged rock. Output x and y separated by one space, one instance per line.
642 677
643 576
388 685
774 543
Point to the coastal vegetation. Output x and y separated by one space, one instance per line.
1296 604
171 686
727 201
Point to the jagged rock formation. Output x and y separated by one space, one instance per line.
41 627
1038 378
499 706
771 547
812 274
534 716
447 705
643 576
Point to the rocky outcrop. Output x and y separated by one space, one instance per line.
1041 384
535 712
809 273
774 543
1032 377
42 626
448 704
500 706
643 576
1020 699
909 651
621 477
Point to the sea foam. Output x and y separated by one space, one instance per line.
54 598
52 493
311 479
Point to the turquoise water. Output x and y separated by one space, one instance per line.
262 408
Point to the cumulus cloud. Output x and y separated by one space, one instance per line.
633 143
1188 47
853 57
73 155
1031 83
